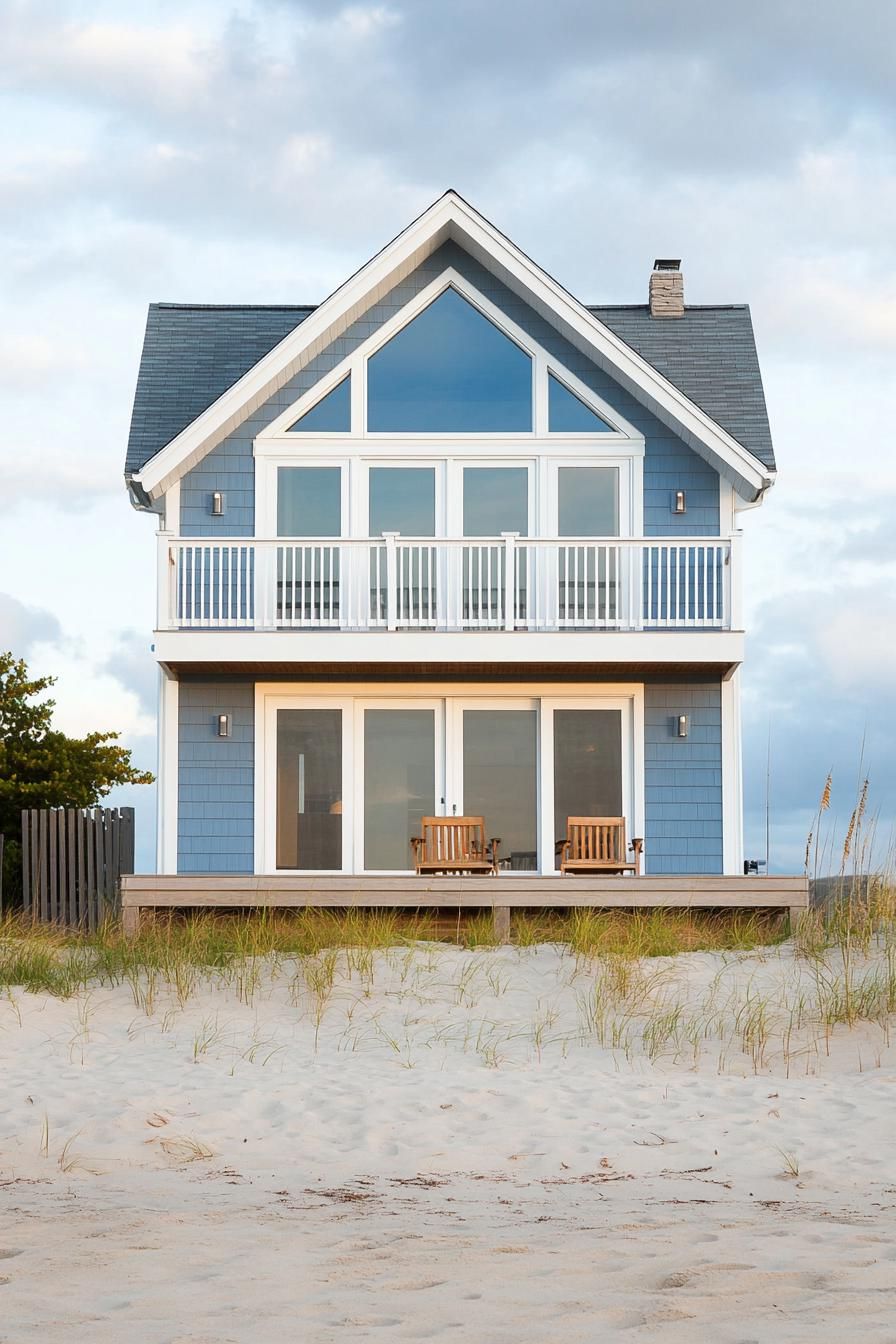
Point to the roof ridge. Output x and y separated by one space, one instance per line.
310 307
239 307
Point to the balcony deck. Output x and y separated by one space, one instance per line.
392 584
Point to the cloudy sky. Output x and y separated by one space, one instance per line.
260 152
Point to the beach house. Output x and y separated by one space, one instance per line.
452 542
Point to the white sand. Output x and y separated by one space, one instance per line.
458 1157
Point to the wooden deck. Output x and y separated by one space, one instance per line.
500 894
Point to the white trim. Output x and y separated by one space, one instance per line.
451 217
572 648
167 773
732 777
169 520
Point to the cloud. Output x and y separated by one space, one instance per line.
22 627
201 153
132 664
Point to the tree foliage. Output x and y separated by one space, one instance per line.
41 767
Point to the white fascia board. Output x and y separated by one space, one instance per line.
452 217
401 647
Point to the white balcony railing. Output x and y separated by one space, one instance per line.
397 583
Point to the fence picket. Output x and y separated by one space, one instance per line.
26 862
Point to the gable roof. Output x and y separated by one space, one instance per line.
449 217
192 353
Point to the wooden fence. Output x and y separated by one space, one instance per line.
72 862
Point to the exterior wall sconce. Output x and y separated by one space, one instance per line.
223 725
217 503
680 503
682 725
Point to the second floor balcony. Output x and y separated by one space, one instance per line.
395 583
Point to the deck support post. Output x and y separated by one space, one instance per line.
502 923
795 912
130 920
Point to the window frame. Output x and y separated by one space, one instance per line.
355 365
277 445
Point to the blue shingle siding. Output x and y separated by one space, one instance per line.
669 465
215 826
683 778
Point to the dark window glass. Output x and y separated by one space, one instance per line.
587 766
496 500
568 414
309 502
399 783
331 415
501 779
309 788
588 501
403 499
449 371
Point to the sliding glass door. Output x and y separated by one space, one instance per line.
349 781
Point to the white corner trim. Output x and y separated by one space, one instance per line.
261 799
167 774
448 217
732 777
172 509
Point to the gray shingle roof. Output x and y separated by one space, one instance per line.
710 356
192 353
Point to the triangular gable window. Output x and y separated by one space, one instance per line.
449 371
568 414
331 415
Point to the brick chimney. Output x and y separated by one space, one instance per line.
667 288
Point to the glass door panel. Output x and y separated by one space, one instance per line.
496 500
587 766
403 500
588 581
399 783
309 504
500 780
309 789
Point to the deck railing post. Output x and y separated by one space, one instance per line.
509 579
734 585
391 580
166 582
265 589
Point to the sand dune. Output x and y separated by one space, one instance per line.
445 1148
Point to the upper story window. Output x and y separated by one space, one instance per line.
450 370
569 414
331 415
